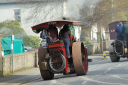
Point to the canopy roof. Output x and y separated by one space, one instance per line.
59 23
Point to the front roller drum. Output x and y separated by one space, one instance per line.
78 52
46 74
114 58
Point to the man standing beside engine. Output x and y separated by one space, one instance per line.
65 35
125 33
119 31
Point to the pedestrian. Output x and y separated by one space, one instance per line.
78 40
40 46
65 35
125 33
119 31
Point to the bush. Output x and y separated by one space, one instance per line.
87 43
32 41
12 27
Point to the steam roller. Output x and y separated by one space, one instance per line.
53 57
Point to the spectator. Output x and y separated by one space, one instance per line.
40 46
78 40
125 33
119 31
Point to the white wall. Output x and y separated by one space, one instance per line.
47 11
77 32
94 33
6 12
52 11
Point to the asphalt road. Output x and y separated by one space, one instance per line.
101 72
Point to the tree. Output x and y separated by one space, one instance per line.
32 41
103 13
8 28
87 16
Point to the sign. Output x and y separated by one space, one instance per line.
11 46
12 37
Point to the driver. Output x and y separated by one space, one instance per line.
49 38
53 31
65 34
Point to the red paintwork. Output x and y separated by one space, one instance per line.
59 48
85 63
56 60
56 44
70 44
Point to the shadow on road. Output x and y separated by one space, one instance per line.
18 78
65 76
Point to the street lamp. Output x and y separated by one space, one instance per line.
112 4
112 10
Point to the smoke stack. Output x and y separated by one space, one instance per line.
66 18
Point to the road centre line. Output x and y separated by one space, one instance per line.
90 79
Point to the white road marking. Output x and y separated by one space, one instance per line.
97 67
54 82
92 80
119 77
84 82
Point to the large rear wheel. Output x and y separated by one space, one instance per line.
79 55
46 74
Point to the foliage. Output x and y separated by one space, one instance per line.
32 41
87 43
8 28
103 13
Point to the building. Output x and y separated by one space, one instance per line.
94 33
31 12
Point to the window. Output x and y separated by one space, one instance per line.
17 15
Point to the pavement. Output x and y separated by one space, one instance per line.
20 76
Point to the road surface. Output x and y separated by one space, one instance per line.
101 72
